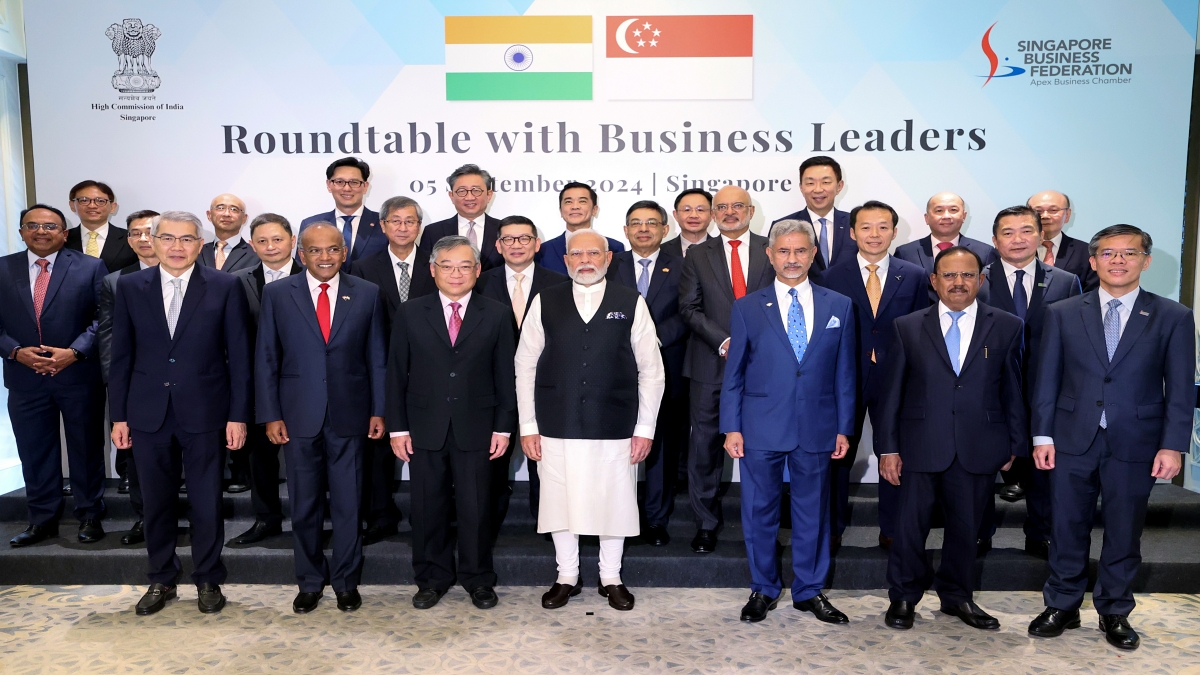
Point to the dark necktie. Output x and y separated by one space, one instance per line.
348 230
1020 299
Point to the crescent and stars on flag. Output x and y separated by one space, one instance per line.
623 32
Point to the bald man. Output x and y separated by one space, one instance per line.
945 214
1057 249
230 252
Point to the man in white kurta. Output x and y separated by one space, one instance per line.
588 438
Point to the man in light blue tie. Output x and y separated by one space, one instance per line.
348 180
821 183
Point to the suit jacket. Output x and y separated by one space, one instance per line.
240 257
921 252
489 257
298 377
368 238
706 300
1050 285
204 370
662 299
551 254
115 253
253 280
1146 392
775 402
905 291
435 387
108 299
378 269
69 313
930 415
494 284
1072 256
844 248
675 246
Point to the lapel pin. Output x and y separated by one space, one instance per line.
345 297
1144 313
666 269
899 277
770 304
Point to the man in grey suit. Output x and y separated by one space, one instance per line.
945 214
693 213
229 252
715 274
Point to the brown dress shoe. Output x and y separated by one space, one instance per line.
559 594
619 597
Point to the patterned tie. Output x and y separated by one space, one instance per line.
1020 298
455 322
273 275
518 298
471 237
93 245
323 311
403 281
220 256
1049 259
40 284
943 245
348 230
176 301
1112 336
643 282
739 279
874 294
824 240
797 334
953 340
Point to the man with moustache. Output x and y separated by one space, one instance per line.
715 274
1057 249
348 180
95 202
229 252
820 183
471 193
693 213
588 346
945 213
578 205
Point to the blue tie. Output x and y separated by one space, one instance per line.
348 230
953 339
797 334
643 282
1112 336
824 241
1020 299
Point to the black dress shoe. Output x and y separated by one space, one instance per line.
1012 493
559 594
259 531
618 596
982 546
306 602
1037 548
820 607
34 534
427 597
484 597
237 488
835 544
66 489
156 598
1119 633
135 535
705 541
971 615
757 606
209 599
348 601
377 533
123 486
900 615
1051 622
656 535
90 531
885 543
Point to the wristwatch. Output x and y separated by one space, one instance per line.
79 356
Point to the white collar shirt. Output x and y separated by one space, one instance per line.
804 294
1125 308
34 270
410 263
314 290
270 275
966 326
526 281
339 221
1056 246
743 255
884 265
168 289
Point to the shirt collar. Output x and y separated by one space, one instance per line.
410 259
33 258
884 264
509 272
461 301
338 215
101 231
934 241
970 310
142 265
479 222
588 290
1009 269
653 258
1057 241
1127 300
745 236
803 290
282 272
232 242
314 284
166 277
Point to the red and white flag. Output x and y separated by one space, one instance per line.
678 58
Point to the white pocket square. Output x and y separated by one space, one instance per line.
834 322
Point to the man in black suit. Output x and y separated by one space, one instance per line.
951 416
258 464
1057 249
471 193
401 271
348 180
1024 286
820 183
179 381
579 205
229 252
94 203
715 274
451 401
945 214
693 213
515 284
882 288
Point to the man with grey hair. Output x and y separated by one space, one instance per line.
589 383
179 384
471 193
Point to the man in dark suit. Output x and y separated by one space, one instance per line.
578 205
258 464
715 274
773 419
179 381
945 213
401 271
1133 353
94 202
515 284
229 252
820 183
451 401
693 214
51 370
141 240
951 416
1023 286
882 288
1057 249
320 366
347 179
471 193
654 274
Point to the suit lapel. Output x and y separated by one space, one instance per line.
61 266
822 311
933 327
154 297
1138 320
658 277
889 288
983 326
758 264
20 280
471 318
626 274
775 320
998 288
237 254
196 288
344 301
1042 279
260 280
113 245
716 257
1093 324
304 302
927 252
437 318
366 230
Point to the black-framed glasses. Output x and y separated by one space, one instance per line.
523 239
98 201
648 223
473 191
1127 254
34 227
352 183
407 222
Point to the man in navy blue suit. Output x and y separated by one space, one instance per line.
945 214
820 183
320 369
882 288
951 416
1132 353
180 381
788 400
1057 249
48 310
578 205
347 179
471 190
654 274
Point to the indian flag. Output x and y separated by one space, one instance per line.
518 58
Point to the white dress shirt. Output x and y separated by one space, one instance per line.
229 244
411 259
637 266
1056 240
270 275
101 236
1010 274
340 224
464 225
168 290
526 283
966 326
884 265
743 255
934 241
34 269
314 289
142 264
685 243
804 293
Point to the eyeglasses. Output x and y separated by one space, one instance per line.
140 234
951 276
524 239
1128 254
34 227
699 210
407 222
318 252
170 239
580 255
722 208
1051 211
474 191
352 183
227 208
98 201
648 223
453 269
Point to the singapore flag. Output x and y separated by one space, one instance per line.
681 58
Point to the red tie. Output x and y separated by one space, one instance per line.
943 245
739 279
323 311
455 322
40 284
1049 259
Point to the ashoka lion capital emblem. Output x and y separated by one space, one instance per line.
133 43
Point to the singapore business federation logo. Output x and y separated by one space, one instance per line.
133 43
994 60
